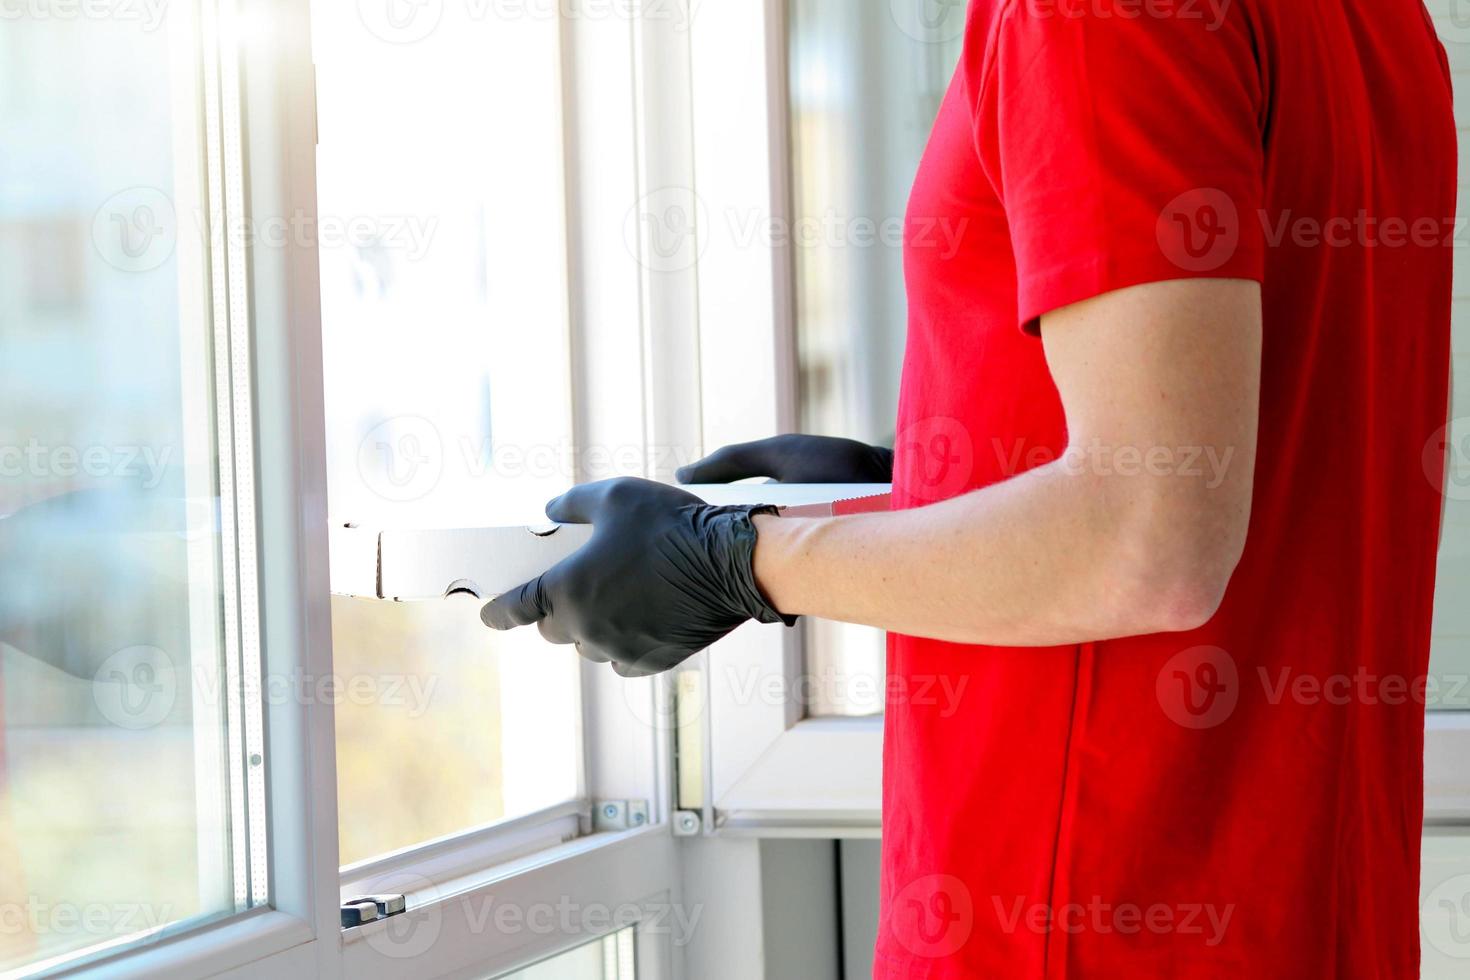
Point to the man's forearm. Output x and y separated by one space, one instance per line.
1056 556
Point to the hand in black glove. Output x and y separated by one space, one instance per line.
664 576
794 459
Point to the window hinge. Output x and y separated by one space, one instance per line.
611 816
370 908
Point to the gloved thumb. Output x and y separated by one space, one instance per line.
518 607
725 465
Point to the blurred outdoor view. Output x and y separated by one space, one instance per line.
443 270
114 784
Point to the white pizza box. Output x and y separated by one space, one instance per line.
405 565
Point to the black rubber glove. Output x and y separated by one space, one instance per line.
794 459
664 576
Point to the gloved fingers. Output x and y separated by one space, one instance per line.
518 607
737 462
581 504
554 632
593 653
593 502
636 670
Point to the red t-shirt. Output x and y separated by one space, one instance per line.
1183 805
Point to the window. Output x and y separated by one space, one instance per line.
442 243
164 270
864 92
132 759
606 959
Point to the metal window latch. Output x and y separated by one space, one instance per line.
369 908
611 816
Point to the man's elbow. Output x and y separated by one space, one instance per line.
1177 572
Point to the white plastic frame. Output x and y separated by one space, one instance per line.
616 72
768 771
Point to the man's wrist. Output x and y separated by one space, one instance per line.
777 541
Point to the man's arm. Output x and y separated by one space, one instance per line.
1136 530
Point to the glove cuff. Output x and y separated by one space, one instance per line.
742 557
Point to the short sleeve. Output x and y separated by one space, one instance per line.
1126 146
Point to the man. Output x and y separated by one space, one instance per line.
1161 456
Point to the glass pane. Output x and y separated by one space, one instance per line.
1450 660
864 93
443 263
611 958
442 726
116 784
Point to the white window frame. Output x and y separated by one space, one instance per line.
629 320
767 770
